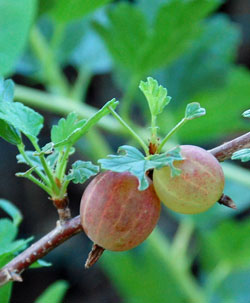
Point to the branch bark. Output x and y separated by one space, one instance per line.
62 232
12 271
225 151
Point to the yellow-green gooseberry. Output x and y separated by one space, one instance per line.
198 187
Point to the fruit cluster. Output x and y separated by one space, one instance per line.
117 216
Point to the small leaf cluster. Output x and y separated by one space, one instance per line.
47 164
131 159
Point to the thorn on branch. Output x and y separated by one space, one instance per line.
94 255
227 201
12 276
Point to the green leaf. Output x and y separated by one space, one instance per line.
133 161
82 171
11 210
54 293
228 101
46 5
155 94
65 128
8 232
90 55
140 47
16 18
79 132
4 259
67 10
167 159
193 110
47 149
142 275
15 246
35 160
21 117
207 64
7 132
246 114
174 30
125 35
5 291
228 243
6 90
243 155
26 174
40 263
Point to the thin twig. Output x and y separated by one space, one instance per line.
226 150
62 232
13 270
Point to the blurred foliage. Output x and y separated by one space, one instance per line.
16 19
66 10
228 243
191 50
141 48
54 293
9 246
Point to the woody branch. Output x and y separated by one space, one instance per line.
62 232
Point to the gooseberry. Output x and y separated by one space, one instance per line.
115 214
197 188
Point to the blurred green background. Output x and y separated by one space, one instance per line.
74 55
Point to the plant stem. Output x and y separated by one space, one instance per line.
46 168
130 130
52 72
62 105
64 188
153 129
63 163
216 277
57 36
79 89
38 172
65 231
59 159
182 238
225 151
170 134
39 183
55 79
62 232
128 97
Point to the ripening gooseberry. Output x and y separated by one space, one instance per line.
115 214
197 188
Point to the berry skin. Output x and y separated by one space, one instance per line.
115 214
199 186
